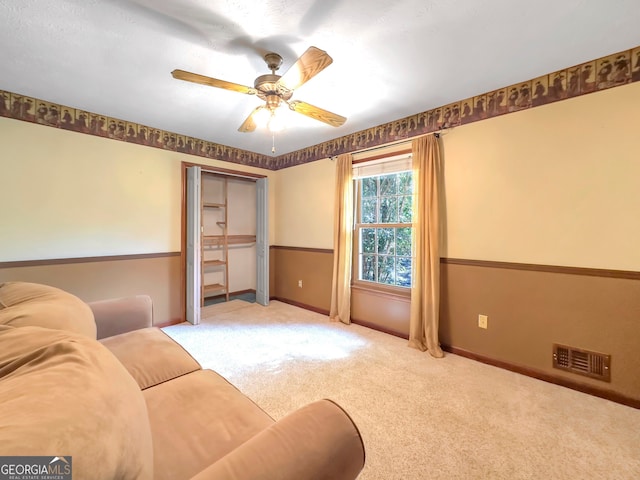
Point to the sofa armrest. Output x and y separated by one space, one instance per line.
120 315
318 441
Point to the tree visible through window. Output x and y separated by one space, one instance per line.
383 228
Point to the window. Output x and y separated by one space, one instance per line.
383 216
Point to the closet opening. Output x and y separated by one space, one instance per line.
224 238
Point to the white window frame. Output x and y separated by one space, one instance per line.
384 166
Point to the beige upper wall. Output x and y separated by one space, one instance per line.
553 185
549 185
67 195
304 205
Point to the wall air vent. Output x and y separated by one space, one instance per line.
583 362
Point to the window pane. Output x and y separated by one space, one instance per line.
370 187
389 184
389 210
405 183
368 214
368 240
405 208
384 252
386 242
386 270
403 242
367 268
403 272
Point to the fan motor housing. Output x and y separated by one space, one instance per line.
268 85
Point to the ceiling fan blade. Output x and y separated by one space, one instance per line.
316 113
249 125
310 63
212 82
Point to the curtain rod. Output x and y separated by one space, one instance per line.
387 145
380 147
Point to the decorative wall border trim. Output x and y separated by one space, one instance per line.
603 73
35 110
590 272
67 261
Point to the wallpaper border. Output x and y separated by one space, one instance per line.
603 73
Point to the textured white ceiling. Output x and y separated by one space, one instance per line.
391 58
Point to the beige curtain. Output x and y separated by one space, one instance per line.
425 292
342 241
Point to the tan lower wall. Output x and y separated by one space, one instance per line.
157 276
528 311
314 267
288 265
388 313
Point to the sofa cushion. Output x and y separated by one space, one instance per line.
150 356
209 418
23 303
62 394
119 315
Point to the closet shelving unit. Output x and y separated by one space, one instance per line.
218 243
215 244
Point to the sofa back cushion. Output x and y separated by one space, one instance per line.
23 303
64 395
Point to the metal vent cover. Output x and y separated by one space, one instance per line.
583 362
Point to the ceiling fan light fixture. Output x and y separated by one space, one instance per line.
261 117
276 122
273 101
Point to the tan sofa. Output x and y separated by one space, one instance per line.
136 405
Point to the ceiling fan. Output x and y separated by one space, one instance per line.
276 90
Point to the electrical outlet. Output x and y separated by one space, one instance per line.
483 321
300 283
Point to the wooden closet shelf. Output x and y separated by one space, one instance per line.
213 263
213 288
231 239
236 239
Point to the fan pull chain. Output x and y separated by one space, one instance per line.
273 145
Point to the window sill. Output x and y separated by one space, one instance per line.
386 291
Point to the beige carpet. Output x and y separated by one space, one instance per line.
420 417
